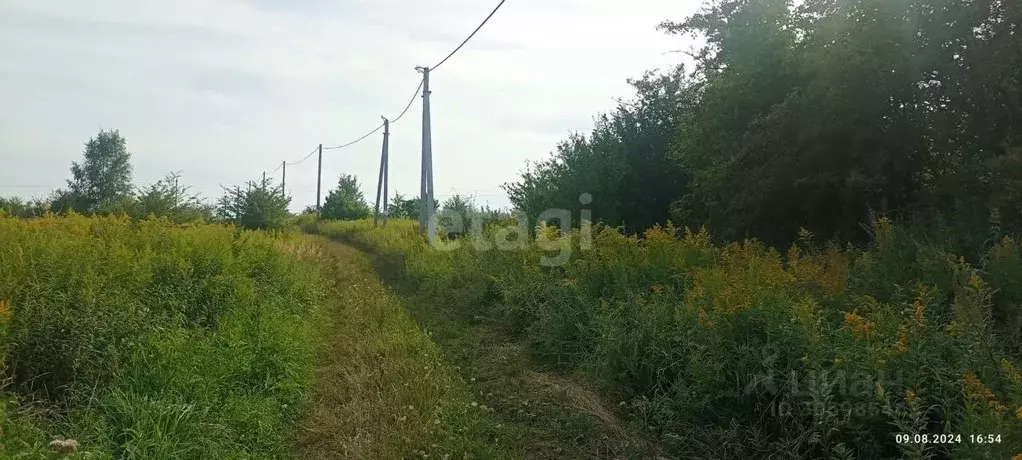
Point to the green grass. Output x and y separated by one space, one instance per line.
148 340
542 415
383 388
738 350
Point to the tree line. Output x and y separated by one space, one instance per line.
815 116
102 184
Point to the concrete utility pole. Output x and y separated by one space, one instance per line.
283 179
381 185
386 169
319 178
426 218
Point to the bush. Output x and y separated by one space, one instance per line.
259 206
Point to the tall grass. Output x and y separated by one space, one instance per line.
150 340
740 351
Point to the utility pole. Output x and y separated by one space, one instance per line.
283 179
319 179
264 179
386 169
426 220
381 185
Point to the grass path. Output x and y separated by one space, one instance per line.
382 389
405 377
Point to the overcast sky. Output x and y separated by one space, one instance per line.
224 90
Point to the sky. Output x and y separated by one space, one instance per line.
224 90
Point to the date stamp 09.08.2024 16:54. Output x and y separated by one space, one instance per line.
927 438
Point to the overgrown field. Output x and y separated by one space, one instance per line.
740 351
148 340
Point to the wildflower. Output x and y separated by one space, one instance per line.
902 345
976 282
5 311
1009 369
704 319
954 329
859 326
910 396
976 390
1018 412
918 314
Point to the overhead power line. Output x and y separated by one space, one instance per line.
470 36
423 84
306 157
410 102
349 144
380 126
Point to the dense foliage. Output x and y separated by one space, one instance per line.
148 340
101 183
258 206
346 201
739 351
168 198
813 114
624 164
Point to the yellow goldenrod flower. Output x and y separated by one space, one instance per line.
860 327
5 311
976 390
704 319
976 282
918 315
954 329
901 346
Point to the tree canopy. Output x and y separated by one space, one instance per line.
102 181
813 116
346 201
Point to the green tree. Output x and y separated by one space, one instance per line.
624 164
101 183
17 207
258 206
816 115
406 208
456 214
168 198
346 202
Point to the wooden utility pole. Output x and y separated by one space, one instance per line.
319 179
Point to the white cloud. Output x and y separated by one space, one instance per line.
224 90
